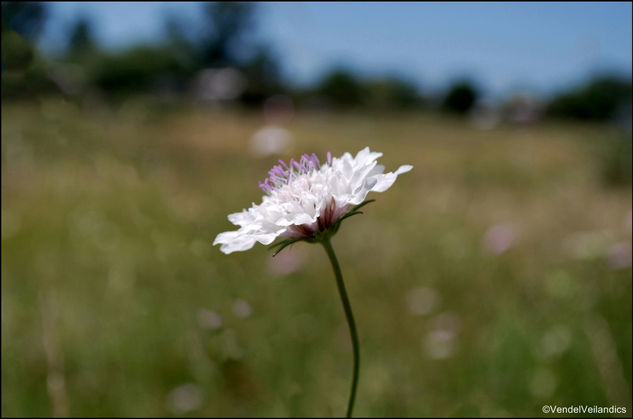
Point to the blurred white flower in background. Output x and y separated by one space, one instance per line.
500 238
270 140
242 309
219 84
209 320
619 255
184 399
440 342
555 341
422 301
273 138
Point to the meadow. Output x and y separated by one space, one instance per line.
491 280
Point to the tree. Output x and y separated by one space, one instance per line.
263 76
227 29
461 97
393 93
137 69
24 72
25 18
597 100
81 37
342 88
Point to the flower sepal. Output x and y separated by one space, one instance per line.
319 236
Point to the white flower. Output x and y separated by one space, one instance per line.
306 197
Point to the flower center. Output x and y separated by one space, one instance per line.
282 173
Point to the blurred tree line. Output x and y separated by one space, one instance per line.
599 99
23 68
183 64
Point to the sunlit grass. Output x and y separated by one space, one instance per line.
111 290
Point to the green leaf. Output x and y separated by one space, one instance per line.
279 243
359 206
349 214
285 244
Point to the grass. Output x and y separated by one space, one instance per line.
112 293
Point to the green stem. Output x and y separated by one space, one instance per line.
350 320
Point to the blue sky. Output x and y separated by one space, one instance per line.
505 47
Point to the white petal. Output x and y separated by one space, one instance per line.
384 182
241 218
267 238
233 241
366 156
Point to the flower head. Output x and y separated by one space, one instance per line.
307 199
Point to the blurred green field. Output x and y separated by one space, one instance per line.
115 303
